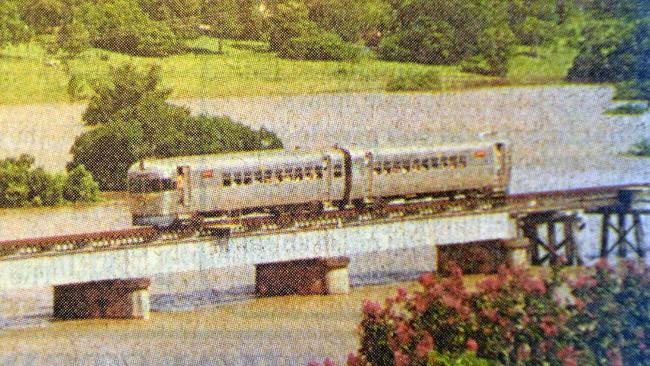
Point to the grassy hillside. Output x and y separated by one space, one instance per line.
244 69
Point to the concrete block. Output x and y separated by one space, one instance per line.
473 258
518 252
317 276
108 299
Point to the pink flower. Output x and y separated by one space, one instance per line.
548 326
354 360
471 345
424 346
569 356
421 303
427 279
401 295
313 363
371 308
328 362
580 304
584 281
404 333
401 359
491 314
534 285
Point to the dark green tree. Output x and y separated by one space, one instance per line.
13 28
79 185
72 38
44 15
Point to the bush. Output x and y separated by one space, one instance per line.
322 46
73 38
414 80
512 318
536 32
23 185
79 185
390 49
478 65
13 28
495 46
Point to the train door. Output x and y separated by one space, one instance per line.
503 170
183 185
369 165
327 178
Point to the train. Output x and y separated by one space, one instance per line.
166 192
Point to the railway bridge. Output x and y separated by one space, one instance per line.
106 274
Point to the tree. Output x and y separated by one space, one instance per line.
354 21
13 29
73 38
288 19
122 26
126 88
135 122
44 15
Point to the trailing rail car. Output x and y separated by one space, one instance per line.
167 191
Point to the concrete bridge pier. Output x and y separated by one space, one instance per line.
108 299
316 276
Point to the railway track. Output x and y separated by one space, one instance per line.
516 205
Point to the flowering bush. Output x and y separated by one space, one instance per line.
612 314
512 318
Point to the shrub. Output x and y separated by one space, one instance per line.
322 46
612 314
12 27
73 38
80 186
478 65
495 46
390 49
535 32
23 185
414 80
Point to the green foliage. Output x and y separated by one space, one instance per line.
44 15
612 314
607 52
354 21
73 38
122 26
535 32
125 90
495 46
80 186
13 28
23 185
288 19
321 46
170 9
414 80
77 88
237 19
136 122
464 359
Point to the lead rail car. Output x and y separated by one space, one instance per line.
167 191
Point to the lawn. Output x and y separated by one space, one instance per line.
244 69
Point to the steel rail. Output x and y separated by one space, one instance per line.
516 204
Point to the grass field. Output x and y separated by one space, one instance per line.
244 69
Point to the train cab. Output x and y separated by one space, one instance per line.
157 196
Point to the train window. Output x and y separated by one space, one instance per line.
406 166
338 170
416 164
259 176
298 173
444 161
387 167
462 161
268 176
288 174
227 180
397 167
309 173
435 163
453 161
425 164
279 175
319 172
168 184
237 178
248 179
377 168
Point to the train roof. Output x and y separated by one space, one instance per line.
281 157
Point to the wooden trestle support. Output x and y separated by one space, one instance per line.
550 249
633 203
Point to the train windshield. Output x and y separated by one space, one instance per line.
149 183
